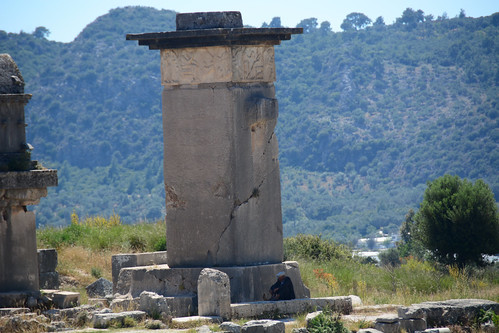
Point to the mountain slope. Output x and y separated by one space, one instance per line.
366 118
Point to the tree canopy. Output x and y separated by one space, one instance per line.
355 21
458 221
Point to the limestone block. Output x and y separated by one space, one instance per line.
369 330
387 327
222 176
263 326
340 304
186 321
310 316
66 299
356 301
208 20
228 326
412 325
248 283
410 312
450 312
104 320
99 288
216 64
49 280
123 260
33 179
9 71
214 293
124 304
155 304
5 312
47 260
18 256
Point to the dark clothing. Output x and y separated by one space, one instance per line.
284 290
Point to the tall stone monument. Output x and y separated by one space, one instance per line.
221 167
22 183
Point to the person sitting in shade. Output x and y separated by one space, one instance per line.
282 289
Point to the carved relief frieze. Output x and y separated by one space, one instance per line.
253 63
217 64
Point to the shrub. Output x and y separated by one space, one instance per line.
160 244
96 272
389 258
326 323
313 247
458 221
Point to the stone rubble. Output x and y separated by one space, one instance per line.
99 288
97 316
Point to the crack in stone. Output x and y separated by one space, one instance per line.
237 204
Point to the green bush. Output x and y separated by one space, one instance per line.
313 247
96 272
326 323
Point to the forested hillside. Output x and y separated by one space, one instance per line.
367 116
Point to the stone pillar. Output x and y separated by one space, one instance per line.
221 163
21 184
214 293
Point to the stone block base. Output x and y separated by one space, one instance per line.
49 280
340 304
154 304
104 320
65 299
17 299
247 283
123 260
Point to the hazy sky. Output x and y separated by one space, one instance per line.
66 18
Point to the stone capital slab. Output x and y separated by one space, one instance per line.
240 63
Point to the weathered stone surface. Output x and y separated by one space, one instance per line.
217 64
33 179
356 301
209 20
369 330
18 256
100 287
214 37
47 264
388 319
49 280
246 283
154 304
310 316
299 330
228 326
123 260
236 208
412 325
11 80
66 299
341 304
125 303
214 293
263 326
196 319
450 312
387 327
104 320
47 260
12 311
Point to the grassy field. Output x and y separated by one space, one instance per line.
85 248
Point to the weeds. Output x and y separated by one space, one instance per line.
98 233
